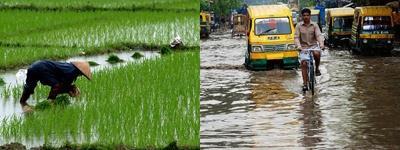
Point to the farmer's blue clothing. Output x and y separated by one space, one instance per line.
51 73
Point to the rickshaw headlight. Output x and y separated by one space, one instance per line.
291 47
389 42
257 49
365 41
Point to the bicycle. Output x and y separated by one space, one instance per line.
310 66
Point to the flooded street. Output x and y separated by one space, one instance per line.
356 105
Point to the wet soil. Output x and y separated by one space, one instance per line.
356 104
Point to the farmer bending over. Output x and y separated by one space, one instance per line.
60 76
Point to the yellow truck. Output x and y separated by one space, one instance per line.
205 24
339 22
270 37
372 29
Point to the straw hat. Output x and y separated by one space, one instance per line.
83 66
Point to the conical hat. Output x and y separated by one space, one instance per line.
84 67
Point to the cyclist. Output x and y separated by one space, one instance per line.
308 35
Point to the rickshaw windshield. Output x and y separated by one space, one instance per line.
343 23
270 26
314 18
239 20
377 24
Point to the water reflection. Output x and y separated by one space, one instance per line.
267 87
311 118
377 88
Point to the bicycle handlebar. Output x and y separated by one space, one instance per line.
311 49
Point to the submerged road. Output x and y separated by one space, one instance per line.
356 105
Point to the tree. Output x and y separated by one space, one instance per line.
223 8
204 5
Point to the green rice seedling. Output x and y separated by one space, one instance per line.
44 104
2 82
137 55
112 59
93 63
62 100
165 50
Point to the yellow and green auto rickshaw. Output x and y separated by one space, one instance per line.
372 29
339 21
239 25
270 37
315 17
205 26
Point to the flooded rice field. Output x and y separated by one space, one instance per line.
356 105
10 106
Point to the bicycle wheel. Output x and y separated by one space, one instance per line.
311 77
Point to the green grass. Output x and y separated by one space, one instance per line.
157 4
139 105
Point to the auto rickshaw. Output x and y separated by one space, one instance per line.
270 37
239 25
372 29
339 21
205 26
315 17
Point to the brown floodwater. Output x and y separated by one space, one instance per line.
356 104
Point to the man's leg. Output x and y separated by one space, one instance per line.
317 58
304 72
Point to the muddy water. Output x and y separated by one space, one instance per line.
356 105
10 106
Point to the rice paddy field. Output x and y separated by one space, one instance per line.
146 104
89 32
157 4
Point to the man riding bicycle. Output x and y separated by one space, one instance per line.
308 35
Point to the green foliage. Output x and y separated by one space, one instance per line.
204 5
223 7
137 55
307 3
